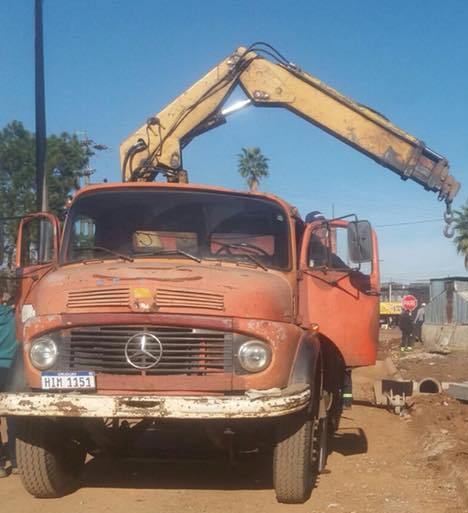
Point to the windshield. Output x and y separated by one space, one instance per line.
177 224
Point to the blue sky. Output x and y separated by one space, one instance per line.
110 64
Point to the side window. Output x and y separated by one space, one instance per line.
32 253
328 247
340 256
83 238
318 252
318 247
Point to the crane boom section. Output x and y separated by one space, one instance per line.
162 134
271 84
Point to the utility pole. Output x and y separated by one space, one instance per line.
42 202
41 143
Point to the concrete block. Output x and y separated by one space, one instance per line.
445 338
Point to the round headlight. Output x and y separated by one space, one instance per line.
254 356
43 353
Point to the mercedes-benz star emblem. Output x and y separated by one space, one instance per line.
143 350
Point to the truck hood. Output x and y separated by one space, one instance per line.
214 288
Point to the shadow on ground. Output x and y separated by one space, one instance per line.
202 471
251 473
350 441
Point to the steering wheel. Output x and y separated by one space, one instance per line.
240 245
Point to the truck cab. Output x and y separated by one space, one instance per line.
176 303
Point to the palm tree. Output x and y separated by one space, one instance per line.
253 166
461 230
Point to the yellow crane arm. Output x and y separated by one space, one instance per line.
157 145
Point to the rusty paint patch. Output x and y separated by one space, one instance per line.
70 408
25 403
273 330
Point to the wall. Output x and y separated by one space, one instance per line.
446 325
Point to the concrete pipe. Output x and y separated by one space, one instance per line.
429 386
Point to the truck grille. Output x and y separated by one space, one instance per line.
185 351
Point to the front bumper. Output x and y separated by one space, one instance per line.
254 404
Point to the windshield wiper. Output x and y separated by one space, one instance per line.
252 259
163 252
237 245
105 250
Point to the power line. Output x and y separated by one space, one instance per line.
422 221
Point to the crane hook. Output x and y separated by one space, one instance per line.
449 230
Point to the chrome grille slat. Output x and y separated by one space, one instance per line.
80 354
168 339
175 354
186 351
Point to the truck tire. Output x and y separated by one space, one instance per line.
320 448
294 472
49 460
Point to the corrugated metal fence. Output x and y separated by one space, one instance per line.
460 308
449 302
436 310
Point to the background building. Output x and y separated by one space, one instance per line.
446 323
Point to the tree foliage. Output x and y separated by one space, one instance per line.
461 231
65 157
253 166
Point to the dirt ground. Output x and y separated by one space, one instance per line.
420 364
379 462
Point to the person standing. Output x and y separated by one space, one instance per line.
8 347
347 389
406 327
419 321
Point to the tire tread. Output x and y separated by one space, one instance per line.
40 462
292 473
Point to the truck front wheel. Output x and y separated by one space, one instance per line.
49 459
294 468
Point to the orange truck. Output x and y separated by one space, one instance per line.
165 304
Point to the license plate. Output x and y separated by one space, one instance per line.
68 380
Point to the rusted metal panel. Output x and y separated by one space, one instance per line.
344 305
284 338
258 405
214 288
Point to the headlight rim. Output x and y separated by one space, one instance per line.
250 342
34 362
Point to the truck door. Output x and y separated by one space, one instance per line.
339 287
36 253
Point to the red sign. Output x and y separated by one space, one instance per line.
409 303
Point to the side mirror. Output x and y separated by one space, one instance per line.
360 242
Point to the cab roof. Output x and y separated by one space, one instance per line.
115 186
